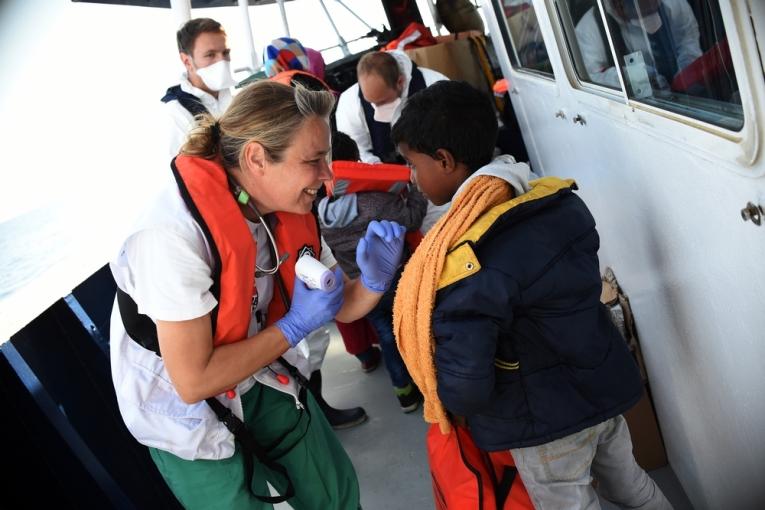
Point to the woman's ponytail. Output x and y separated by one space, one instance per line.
204 138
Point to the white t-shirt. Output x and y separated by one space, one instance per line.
165 267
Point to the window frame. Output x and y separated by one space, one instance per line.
732 30
507 39
569 64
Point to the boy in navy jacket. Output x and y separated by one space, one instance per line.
498 318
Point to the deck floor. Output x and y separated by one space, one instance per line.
388 450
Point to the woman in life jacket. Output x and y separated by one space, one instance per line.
208 335
359 337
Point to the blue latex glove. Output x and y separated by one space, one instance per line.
378 254
311 308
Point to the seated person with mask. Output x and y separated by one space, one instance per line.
664 31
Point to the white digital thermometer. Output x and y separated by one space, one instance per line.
314 274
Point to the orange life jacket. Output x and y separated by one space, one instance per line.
355 176
286 78
205 188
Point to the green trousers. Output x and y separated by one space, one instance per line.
321 472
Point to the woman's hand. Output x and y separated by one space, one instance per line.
311 308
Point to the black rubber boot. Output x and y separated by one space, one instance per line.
338 418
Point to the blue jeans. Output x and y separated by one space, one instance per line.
381 318
558 474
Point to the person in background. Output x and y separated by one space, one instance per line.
344 219
209 317
664 31
498 315
205 86
368 109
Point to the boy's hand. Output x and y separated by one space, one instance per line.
378 254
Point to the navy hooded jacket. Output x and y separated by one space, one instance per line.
524 348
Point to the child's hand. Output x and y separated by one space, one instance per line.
378 254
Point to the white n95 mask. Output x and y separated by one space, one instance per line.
651 23
217 76
384 112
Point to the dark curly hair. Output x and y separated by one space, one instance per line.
449 115
344 148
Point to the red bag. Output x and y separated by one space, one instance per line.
467 478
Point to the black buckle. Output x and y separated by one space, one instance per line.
232 422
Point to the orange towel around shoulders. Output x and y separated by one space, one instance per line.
416 291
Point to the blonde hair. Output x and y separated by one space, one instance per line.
265 112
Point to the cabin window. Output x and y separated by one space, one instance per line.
527 46
672 54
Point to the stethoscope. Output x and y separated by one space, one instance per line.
242 197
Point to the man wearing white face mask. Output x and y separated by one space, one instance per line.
206 83
368 108
664 31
